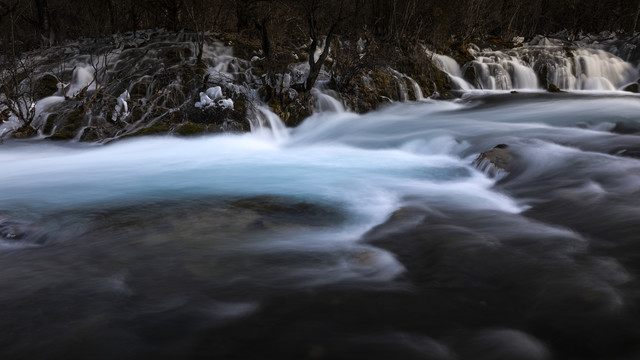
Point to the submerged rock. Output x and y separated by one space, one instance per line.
496 162
623 127
17 231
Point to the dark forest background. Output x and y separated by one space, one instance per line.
26 24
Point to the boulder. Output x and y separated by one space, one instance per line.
553 88
496 162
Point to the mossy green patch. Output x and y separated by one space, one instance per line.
153 130
25 131
189 129
62 135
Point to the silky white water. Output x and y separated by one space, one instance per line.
535 67
355 232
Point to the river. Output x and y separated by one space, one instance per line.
351 236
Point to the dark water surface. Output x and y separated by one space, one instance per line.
351 237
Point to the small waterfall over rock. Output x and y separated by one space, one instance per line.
538 66
325 102
267 122
451 67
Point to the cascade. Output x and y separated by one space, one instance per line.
267 122
535 67
451 67
325 102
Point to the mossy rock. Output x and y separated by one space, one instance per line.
174 98
62 135
46 86
50 123
76 117
459 52
190 129
91 134
24 132
156 129
292 111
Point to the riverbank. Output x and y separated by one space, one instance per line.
159 82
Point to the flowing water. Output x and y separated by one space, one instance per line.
352 236
539 64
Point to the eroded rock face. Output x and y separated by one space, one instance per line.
496 162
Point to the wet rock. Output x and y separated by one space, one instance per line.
46 86
190 129
470 76
634 88
495 162
62 135
91 134
139 89
156 129
459 51
4 115
553 88
24 132
291 106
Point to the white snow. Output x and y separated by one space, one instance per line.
225 103
214 93
121 110
209 98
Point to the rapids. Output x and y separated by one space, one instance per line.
351 236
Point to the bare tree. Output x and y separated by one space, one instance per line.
315 65
17 92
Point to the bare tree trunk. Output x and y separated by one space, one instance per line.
242 15
198 27
316 65
134 18
635 14
112 16
44 23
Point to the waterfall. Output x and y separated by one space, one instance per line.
535 67
416 89
325 102
267 122
451 67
